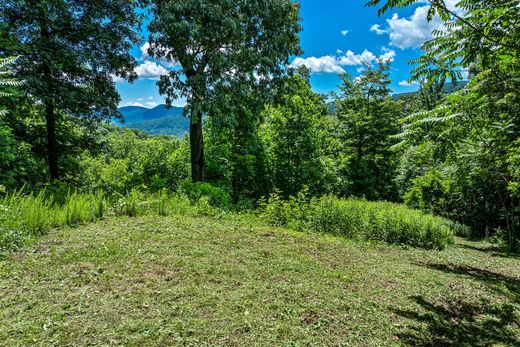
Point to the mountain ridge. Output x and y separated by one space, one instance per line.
159 120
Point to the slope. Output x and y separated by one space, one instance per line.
220 281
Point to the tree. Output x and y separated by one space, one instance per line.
219 45
473 132
367 118
294 136
69 52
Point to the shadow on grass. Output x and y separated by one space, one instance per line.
458 321
493 250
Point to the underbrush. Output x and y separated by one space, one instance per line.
24 216
361 220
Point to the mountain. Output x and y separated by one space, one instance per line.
157 121
448 88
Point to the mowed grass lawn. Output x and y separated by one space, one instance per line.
170 281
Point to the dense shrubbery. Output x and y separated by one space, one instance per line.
362 220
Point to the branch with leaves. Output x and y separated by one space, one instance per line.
7 83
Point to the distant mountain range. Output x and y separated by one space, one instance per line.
157 121
448 88
163 121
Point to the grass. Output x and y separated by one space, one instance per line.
361 220
207 281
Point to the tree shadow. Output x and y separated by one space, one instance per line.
495 281
493 250
459 321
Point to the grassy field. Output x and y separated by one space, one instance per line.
202 281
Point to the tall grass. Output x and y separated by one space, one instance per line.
25 216
361 220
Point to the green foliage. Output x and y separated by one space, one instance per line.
221 47
128 204
428 192
362 220
215 196
128 160
473 132
26 216
366 120
293 136
68 59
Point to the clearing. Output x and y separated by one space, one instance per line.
208 281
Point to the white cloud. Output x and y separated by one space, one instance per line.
413 31
388 55
132 103
352 59
117 79
339 51
344 32
335 64
151 104
150 70
406 83
377 29
325 64
144 55
144 50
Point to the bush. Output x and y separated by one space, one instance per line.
217 197
362 220
427 193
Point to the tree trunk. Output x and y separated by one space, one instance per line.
197 148
52 145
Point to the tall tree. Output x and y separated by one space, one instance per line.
216 44
294 135
367 117
474 132
69 52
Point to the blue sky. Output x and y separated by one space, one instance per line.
338 35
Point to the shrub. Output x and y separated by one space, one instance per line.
127 204
427 192
362 220
217 197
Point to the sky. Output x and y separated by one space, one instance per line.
338 36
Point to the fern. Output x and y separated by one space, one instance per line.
6 82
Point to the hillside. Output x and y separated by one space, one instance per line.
235 282
157 121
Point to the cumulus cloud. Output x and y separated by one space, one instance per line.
344 32
352 59
325 64
413 31
150 70
117 79
145 56
406 83
132 103
377 29
336 64
388 55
